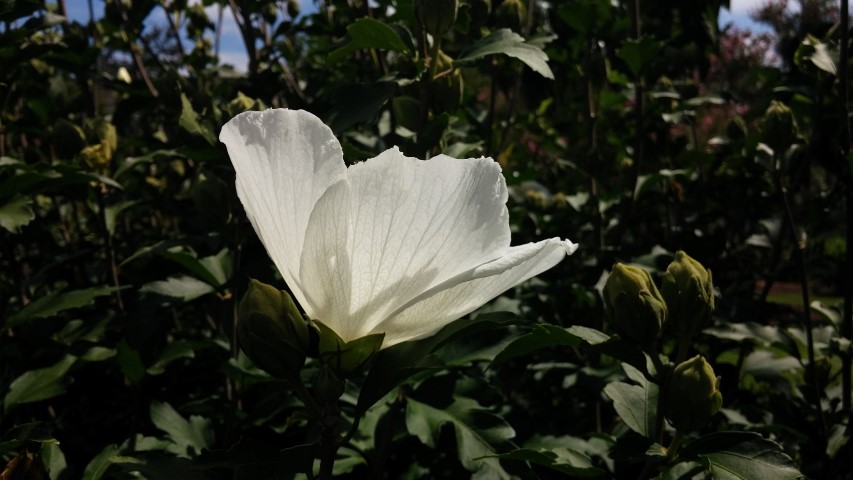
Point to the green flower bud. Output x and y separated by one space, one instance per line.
634 305
346 358
689 293
271 330
241 103
293 8
446 90
780 127
270 12
511 14
97 157
436 16
692 395
197 20
68 139
479 13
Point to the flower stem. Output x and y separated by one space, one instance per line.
847 321
329 441
799 252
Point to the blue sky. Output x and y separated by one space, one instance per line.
233 52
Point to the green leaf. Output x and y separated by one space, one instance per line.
39 384
54 459
838 437
215 269
742 456
195 433
814 51
16 214
562 460
393 365
16 437
57 302
98 354
507 42
635 404
98 466
189 121
638 54
174 351
181 287
478 431
359 103
130 362
369 33
547 336
112 212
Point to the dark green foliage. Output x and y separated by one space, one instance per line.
124 249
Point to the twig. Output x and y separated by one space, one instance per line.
134 53
799 252
847 321
245 27
218 35
108 244
174 30
639 126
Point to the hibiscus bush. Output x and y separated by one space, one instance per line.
424 239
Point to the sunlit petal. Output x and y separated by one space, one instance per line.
285 160
396 227
463 294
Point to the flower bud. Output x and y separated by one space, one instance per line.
293 8
479 13
68 139
346 358
689 293
692 395
436 16
97 157
780 127
511 14
270 12
634 305
271 330
446 90
242 103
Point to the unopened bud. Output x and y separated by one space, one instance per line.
446 90
240 104
692 395
780 127
511 14
689 293
68 139
293 8
436 16
271 330
634 305
479 11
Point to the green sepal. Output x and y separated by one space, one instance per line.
436 16
692 395
346 358
634 305
688 289
271 330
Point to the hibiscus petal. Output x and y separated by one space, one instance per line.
285 160
460 296
395 228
